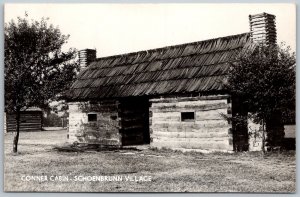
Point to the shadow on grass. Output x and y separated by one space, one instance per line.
166 151
91 147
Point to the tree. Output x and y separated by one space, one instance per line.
263 80
36 69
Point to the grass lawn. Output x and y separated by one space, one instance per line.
169 171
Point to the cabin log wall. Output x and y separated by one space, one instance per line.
29 121
104 131
210 130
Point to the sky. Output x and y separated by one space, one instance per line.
114 29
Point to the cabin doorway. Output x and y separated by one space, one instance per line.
135 121
239 125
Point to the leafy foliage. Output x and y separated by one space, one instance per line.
36 70
265 80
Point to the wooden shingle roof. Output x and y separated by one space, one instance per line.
188 68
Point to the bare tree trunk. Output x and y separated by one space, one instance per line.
16 134
263 136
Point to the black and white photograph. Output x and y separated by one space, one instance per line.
150 97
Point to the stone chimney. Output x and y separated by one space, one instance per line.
86 56
263 28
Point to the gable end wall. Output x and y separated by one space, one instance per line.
104 131
209 131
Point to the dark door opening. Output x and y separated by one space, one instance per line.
239 125
135 121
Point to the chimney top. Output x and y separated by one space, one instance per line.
263 28
86 56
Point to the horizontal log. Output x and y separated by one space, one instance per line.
176 116
167 119
178 99
264 34
196 140
24 123
264 25
209 145
193 125
165 114
25 118
25 129
263 30
262 16
14 128
27 114
173 135
174 108
188 103
261 21
202 130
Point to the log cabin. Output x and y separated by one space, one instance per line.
30 120
172 97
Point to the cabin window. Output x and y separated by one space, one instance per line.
187 116
92 117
